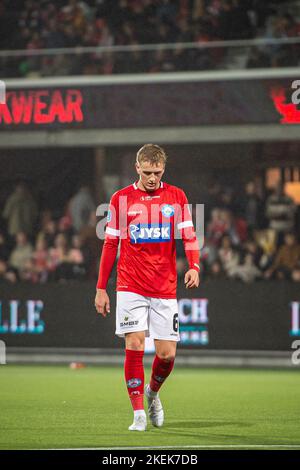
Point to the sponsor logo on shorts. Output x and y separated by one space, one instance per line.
149 233
129 323
133 383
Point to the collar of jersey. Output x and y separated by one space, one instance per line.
161 186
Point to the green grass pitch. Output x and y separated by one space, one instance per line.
56 407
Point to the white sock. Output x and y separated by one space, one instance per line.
139 413
150 392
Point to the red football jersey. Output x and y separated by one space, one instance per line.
145 223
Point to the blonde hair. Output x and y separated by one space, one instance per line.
151 153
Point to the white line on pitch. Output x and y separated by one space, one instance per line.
218 446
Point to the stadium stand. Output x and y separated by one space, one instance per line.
34 26
247 241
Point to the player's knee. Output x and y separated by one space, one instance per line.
135 346
167 356
135 343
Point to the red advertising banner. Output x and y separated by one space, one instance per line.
144 105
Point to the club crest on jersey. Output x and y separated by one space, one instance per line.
167 210
149 233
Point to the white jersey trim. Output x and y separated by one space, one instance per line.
187 223
161 185
112 231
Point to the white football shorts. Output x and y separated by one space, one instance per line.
157 317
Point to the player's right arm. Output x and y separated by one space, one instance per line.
108 256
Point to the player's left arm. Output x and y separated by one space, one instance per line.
191 245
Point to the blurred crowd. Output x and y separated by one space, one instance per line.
248 237
39 247
39 24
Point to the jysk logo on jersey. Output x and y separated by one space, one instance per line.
149 233
167 210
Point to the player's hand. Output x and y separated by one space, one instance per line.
191 279
102 302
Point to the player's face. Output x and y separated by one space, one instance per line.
150 175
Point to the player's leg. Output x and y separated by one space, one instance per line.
164 329
134 376
163 363
162 366
132 314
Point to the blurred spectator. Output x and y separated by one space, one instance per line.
227 200
92 245
286 260
48 231
58 254
228 256
81 206
76 259
211 198
28 274
7 274
251 207
234 228
65 222
252 248
4 249
247 271
217 227
280 211
296 273
21 253
233 21
280 55
54 37
75 253
40 260
266 241
216 270
66 263
20 211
